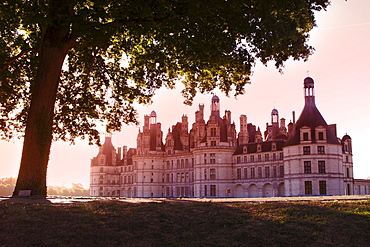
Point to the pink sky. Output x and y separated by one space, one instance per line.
340 68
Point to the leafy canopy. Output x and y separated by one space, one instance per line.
122 50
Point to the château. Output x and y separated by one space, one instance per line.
210 159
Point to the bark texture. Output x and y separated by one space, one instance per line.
38 134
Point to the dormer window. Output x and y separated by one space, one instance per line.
305 134
273 147
259 148
320 134
213 132
245 149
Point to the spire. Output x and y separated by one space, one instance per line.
258 137
215 106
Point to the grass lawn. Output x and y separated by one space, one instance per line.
186 223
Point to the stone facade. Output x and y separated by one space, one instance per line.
213 160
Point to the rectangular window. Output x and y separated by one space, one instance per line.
308 187
239 173
168 165
213 132
205 174
259 172
274 156
213 143
274 172
252 158
321 136
281 156
245 159
212 190
245 173
178 177
281 168
348 174
212 158
212 173
205 158
349 189
259 158
306 150
267 157
321 165
267 172
322 187
305 136
238 160
205 191
320 150
253 174
307 167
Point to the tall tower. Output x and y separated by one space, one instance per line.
313 159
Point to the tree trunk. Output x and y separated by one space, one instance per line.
38 135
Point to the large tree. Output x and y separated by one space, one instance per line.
64 64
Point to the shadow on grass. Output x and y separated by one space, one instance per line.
179 223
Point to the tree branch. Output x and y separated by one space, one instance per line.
16 58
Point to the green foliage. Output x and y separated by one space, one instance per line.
120 52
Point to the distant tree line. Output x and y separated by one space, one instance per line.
7 187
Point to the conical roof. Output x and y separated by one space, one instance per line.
312 118
107 149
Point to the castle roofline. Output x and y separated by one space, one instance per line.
311 118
